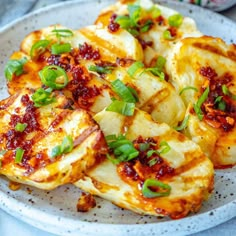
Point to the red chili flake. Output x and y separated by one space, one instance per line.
113 26
87 52
160 20
208 72
124 62
144 43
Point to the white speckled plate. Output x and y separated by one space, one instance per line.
55 211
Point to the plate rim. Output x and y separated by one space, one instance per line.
218 210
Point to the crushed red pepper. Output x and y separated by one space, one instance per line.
218 118
140 169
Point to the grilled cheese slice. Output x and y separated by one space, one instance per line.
152 40
198 64
27 154
184 168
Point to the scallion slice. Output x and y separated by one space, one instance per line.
14 67
164 148
123 149
175 20
167 35
20 127
38 48
123 91
42 97
134 13
19 155
59 48
54 77
220 103
134 68
146 26
201 100
101 69
165 189
188 88
62 33
121 107
154 11
65 147
184 124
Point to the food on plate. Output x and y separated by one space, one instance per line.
203 71
153 170
136 109
47 146
156 27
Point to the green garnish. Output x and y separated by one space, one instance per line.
101 69
134 68
201 100
167 35
14 67
184 124
175 20
122 107
58 48
158 69
20 127
38 48
124 92
42 97
187 88
19 155
154 11
65 147
62 33
122 148
148 193
164 148
54 77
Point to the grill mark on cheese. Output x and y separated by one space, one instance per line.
215 50
153 101
114 51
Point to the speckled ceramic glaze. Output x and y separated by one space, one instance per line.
55 211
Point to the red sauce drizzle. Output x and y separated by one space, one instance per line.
87 52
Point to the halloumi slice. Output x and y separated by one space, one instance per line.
207 62
27 153
184 168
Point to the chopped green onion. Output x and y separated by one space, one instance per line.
19 155
123 149
148 193
160 63
122 107
134 68
175 20
134 13
146 26
164 148
154 11
112 160
101 69
124 22
155 71
125 93
14 67
221 104
61 48
167 35
201 100
144 146
20 127
42 97
54 77
187 88
226 91
152 162
183 124
38 48
65 147
63 33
